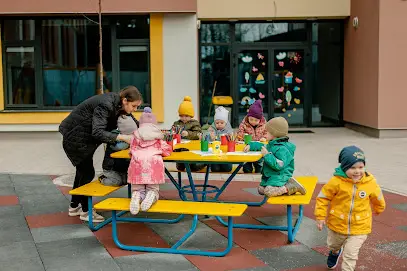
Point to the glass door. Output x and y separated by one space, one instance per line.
251 82
288 85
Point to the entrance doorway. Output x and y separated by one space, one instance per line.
276 75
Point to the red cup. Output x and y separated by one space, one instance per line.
231 146
223 140
178 138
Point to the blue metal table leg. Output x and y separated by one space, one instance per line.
150 220
189 233
90 217
227 182
129 190
290 224
177 186
191 181
208 168
299 220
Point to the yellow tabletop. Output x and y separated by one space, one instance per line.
193 157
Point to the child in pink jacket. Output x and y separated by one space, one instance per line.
146 170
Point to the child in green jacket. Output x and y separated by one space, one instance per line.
278 161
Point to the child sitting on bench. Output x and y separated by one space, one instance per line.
278 165
146 170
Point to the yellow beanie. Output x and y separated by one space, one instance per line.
186 108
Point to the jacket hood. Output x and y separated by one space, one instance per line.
227 130
147 134
342 175
262 121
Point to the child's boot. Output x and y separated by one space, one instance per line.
135 203
260 189
151 198
293 186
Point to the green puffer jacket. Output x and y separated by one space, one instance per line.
193 127
278 164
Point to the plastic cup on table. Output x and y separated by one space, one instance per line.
204 145
247 139
231 146
223 140
178 138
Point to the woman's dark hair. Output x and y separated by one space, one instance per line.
131 94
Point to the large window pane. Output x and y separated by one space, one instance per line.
20 75
137 27
70 51
268 32
215 33
215 67
19 30
134 68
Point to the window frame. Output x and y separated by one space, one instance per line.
38 63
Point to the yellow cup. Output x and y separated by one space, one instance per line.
216 147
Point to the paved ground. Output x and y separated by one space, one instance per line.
37 234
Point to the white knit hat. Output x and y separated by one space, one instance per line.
222 113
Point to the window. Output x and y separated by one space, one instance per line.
215 33
53 63
270 32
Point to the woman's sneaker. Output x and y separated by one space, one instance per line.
75 211
97 218
333 259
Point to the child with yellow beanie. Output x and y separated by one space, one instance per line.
191 128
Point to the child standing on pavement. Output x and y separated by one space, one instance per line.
191 128
278 165
253 124
349 194
146 170
220 126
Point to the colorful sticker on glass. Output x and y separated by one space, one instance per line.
298 80
243 89
295 58
281 55
260 56
247 59
252 90
288 97
296 88
288 78
261 95
247 77
260 79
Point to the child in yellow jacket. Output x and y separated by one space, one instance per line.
349 194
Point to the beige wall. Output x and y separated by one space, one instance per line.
269 9
361 62
392 65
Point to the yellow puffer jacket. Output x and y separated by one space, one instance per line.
349 211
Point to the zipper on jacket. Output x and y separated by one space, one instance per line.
351 207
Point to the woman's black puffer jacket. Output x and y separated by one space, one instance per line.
89 125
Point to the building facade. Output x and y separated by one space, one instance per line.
315 62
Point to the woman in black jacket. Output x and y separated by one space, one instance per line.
86 127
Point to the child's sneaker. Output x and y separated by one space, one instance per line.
135 203
150 199
75 211
293 186
333 259
97 218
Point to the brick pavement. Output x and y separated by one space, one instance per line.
37 234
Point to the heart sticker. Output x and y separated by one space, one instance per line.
261 96
279 101
254 69
294 109
280 89
297 101
296 88
298 80
283 110
264 63
281 63
289 115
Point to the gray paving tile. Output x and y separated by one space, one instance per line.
17 251
49 234
6 211
155 262
32 264
30 180
7 190
308 233
14 229
43 204
5 181
289 257
252 191
397 249
36 190
400 206
76 255
204 237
